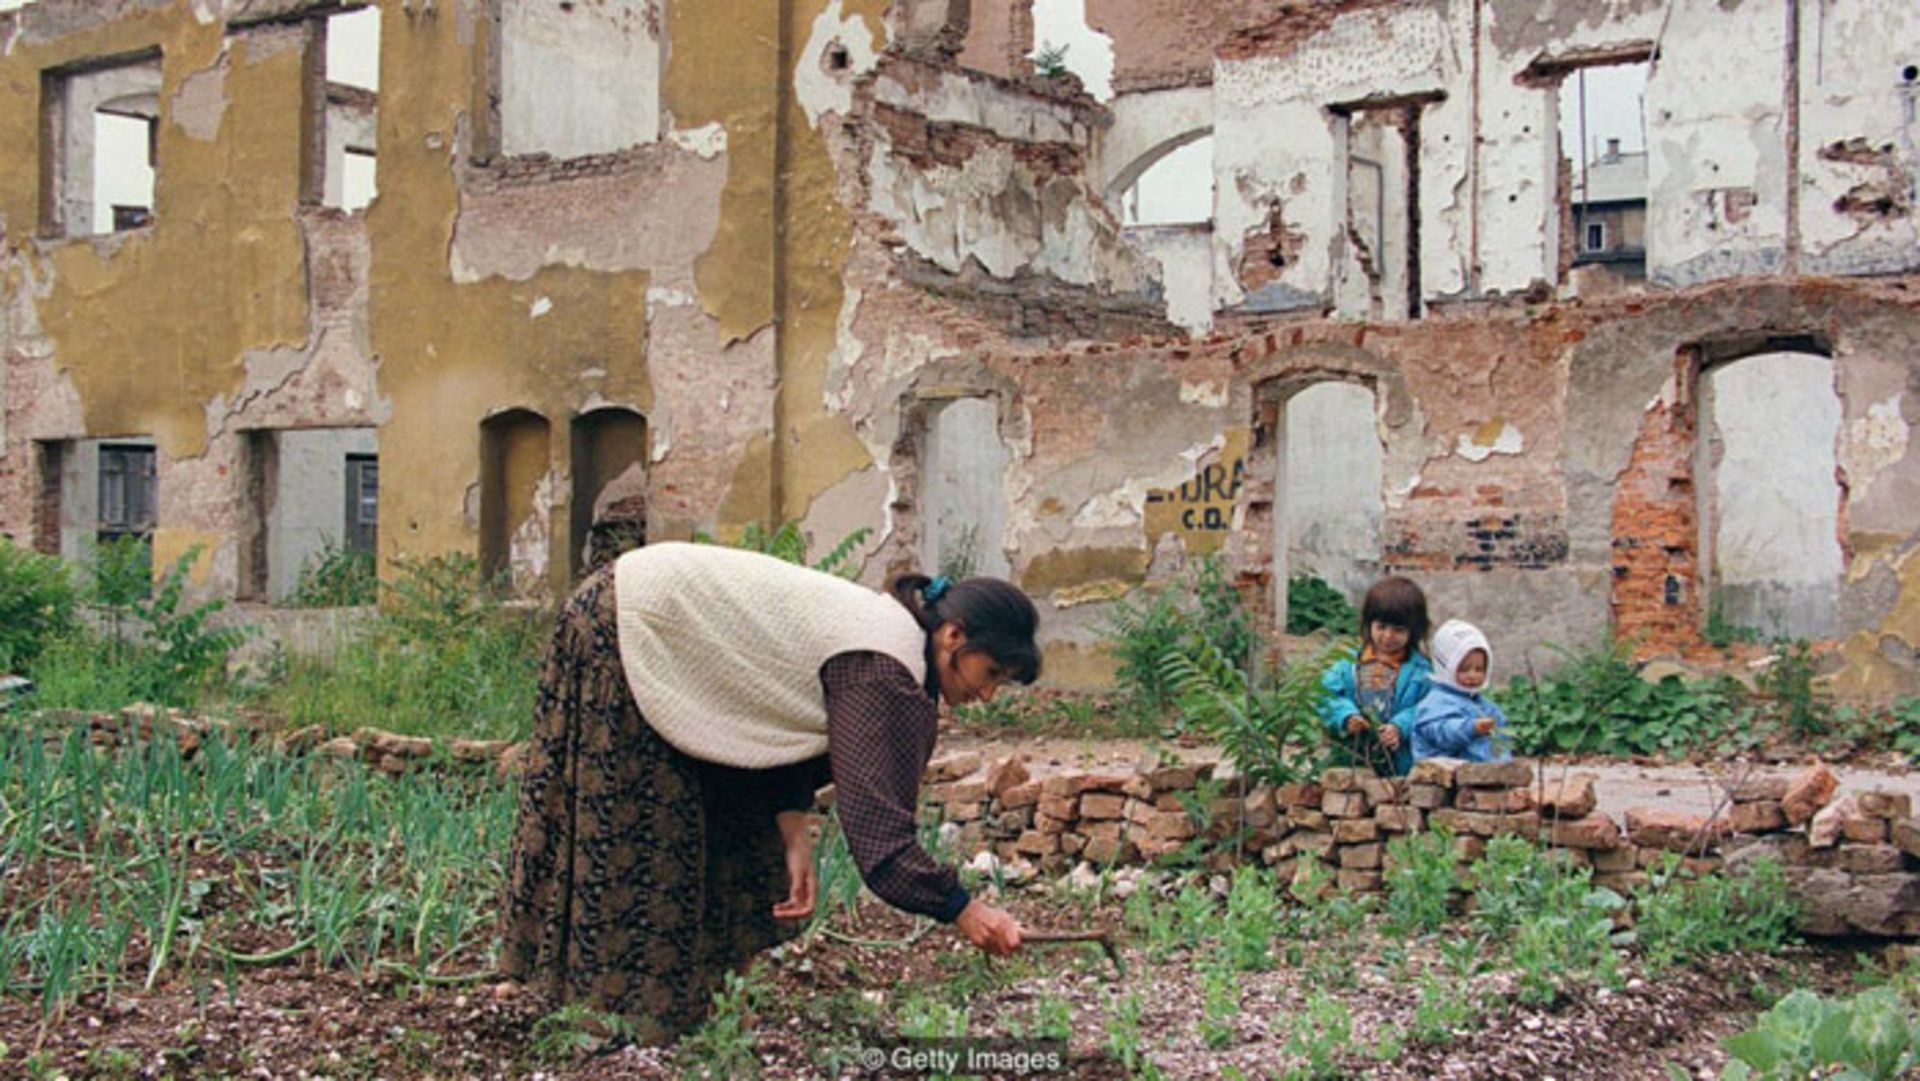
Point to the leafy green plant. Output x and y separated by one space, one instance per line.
1787 687
1320 1036
1050 60
1265 726
1682 917
1868 1036
37 600
1220 1004
183 653
1561 926
1597 703
724 1045
1721 632
1125 1041
789 542
1207 614
1314 605
575 1029
1442 1010
337 576
1420 880
1251 922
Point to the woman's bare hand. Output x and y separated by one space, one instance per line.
796 834
989 928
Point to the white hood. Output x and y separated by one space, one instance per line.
1451 643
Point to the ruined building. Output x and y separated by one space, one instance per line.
672 266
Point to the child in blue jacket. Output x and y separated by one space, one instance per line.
1367 704
1456 720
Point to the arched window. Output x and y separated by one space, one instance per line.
608 512
1327 503
514 458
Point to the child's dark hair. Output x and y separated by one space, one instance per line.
1398 602
997 616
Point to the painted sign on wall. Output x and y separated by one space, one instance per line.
1201 509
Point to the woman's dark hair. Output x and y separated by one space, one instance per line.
997 616
1398 602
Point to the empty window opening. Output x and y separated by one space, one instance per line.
1378 269
577 79
515 459
100 128
352 117
1327 508
1065 43
609 500
1175 189
963 496
310 497
1603 162
1769 500
94 492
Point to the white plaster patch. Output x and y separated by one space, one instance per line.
541 306
1209 394
201 101
1356 52
840 50
707 141
1477 447
1871 443
669 296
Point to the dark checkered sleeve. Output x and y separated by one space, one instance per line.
880 731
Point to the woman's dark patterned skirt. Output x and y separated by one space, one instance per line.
638 875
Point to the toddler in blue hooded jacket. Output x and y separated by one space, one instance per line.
1455 720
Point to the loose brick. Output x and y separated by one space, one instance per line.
1072 843
1063 785
1361 857
1885 804
1062 807
968 791
950 767
1435 771
1102 805
1308 842
1469 849
1011 823
1757 816
1167 826
1298 794
1344 804
1382 791
1355 830
1623 882
1399 819
1864 830
1515 774
1104 850
1494 800
1759 789
1906 836
1111 831
1614 860
1035 843
1020 795
968 811
1009 772
1871 859
1352 880
1046 823
1151 849
1306 818
1841 818
1259 809
1428 797
1675 831
1569 797
1342 779
1594 831
1808 793
1105 782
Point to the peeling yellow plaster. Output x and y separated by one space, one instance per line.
1866 672
1074 667
1201 510
169 545
222 270
451 354
750 493
1068 567
723 70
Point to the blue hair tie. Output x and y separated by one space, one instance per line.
936 588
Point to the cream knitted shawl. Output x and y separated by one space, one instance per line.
723 648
